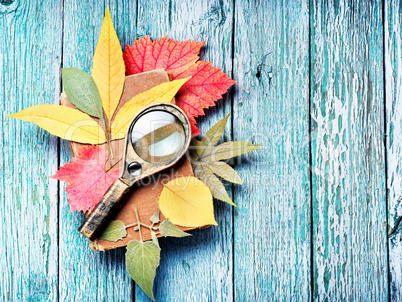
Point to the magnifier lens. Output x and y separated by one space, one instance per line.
158 136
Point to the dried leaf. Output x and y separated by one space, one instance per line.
186 201
224 171
142 259
82 92
205 158
155 218
108 70
232 149
64 122
215 133
168 229
213 183
206 86
86 178
162 93
115 231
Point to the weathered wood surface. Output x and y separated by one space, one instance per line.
30 56
317 86
272 221
393 98
348 156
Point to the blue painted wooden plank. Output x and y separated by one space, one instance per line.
271 106
197 268
271 67
393 89
87 275
349 207
30 52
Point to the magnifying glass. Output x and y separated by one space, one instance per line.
158 136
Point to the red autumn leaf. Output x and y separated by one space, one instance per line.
87 180
206 86
175 56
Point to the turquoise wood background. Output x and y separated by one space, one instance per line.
319 84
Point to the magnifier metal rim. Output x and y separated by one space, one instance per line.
148 112
176 111
155 107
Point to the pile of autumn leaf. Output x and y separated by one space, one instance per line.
184 201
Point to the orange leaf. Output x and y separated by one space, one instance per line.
206 86
87 180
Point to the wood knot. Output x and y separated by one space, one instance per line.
8 6
6 2
259 69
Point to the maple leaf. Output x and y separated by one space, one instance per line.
206 86
175 56
205 158
87 180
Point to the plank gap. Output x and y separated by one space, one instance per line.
385 145
233 91
310 154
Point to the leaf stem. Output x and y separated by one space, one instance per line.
147 226
142 224
110 148
111 167
107 134
138 222
109 142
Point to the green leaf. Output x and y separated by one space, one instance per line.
142 259
154 238
215 133
169 229
115 231
155 217
82 92
205 159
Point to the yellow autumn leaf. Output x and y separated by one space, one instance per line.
64 122
108 70
162 93
187 201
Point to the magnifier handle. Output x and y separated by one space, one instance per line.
98 219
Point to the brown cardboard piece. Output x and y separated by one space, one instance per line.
144 196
